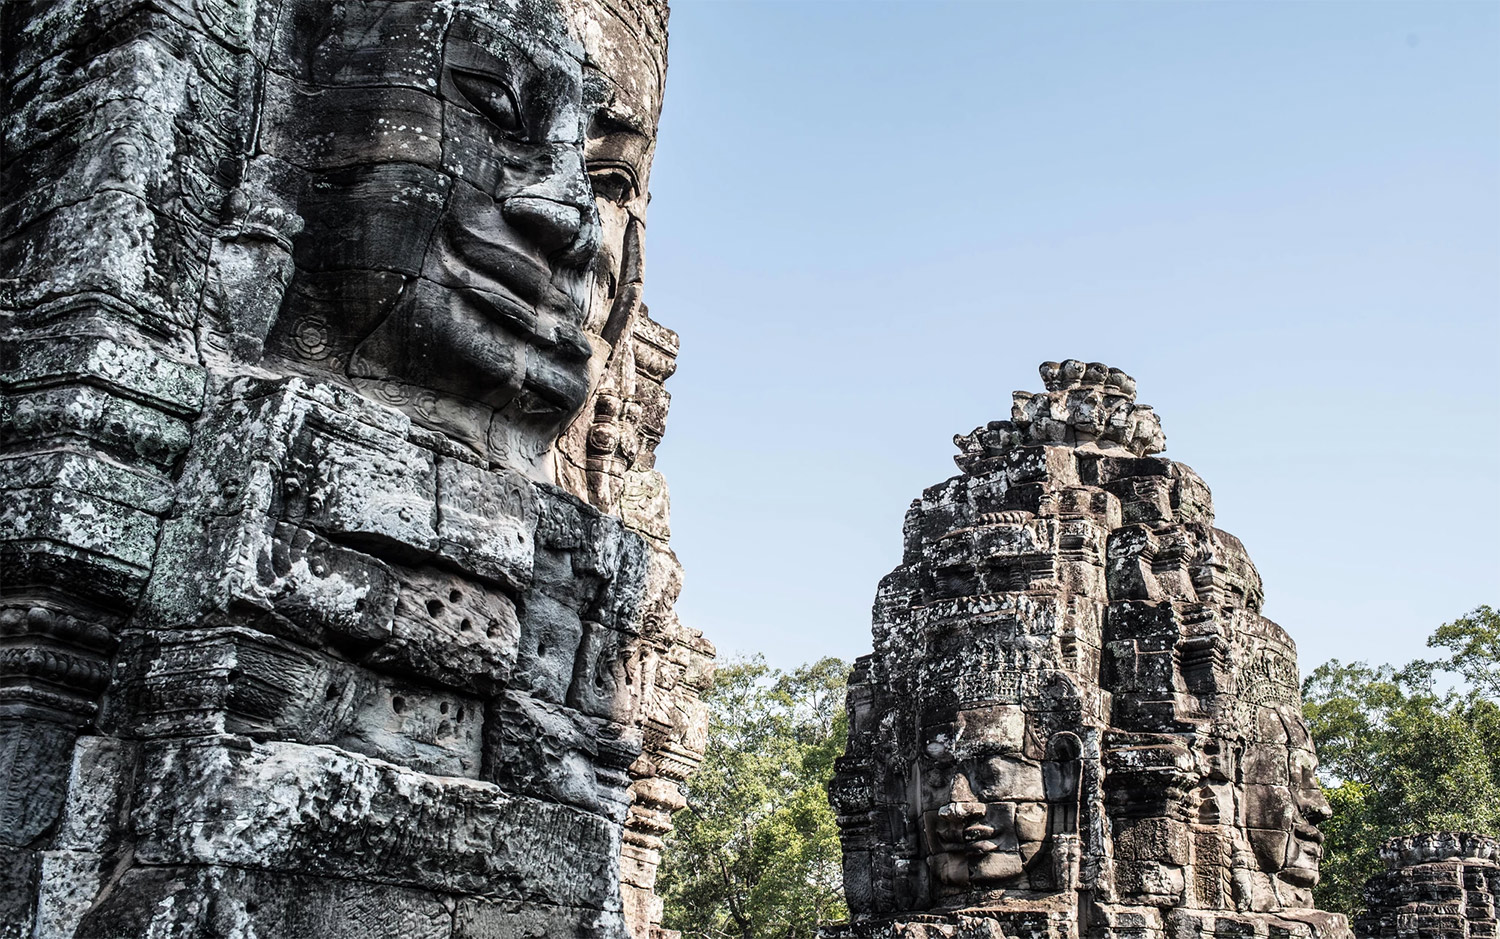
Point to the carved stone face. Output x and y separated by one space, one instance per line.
981 802
622 100
622 95
1283 802
453 235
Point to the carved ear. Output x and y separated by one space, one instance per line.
628 290
1062 773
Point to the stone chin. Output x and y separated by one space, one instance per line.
1305 857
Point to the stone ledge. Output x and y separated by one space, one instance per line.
319 810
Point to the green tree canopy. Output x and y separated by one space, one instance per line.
1400 756
756 853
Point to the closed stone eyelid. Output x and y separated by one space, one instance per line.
619 169
469 85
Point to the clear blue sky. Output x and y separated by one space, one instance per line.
871 221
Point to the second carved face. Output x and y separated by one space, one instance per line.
982 803
1284 803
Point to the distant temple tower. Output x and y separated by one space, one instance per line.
1441 885
1075 721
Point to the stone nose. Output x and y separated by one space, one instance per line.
961 802
550 225
1313 806
556 214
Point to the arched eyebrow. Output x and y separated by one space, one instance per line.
613 144
607 121
614 137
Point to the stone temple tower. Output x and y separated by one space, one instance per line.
1075 721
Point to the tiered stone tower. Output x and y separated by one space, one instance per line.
336 597
1440 885
1075 721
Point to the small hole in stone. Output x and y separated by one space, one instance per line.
541 649
454 596
251 906
493 631
333 692
443 708
464 625
398 704
359 605
434 607
460 715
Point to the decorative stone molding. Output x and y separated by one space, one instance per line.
1439 885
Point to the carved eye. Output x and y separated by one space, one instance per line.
489 97
614 182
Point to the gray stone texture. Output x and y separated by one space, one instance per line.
336 593
1075 721
1438 885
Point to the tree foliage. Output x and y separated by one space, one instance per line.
1400 756
756 853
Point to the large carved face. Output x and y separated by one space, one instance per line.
981 802
453 233
1283 802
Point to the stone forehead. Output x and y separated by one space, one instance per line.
617 49
537 26
404 44
625 50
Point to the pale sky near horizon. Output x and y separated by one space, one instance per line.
871 220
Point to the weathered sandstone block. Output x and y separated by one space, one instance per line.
1439 885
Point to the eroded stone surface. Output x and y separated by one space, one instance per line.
1075 721
338 597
